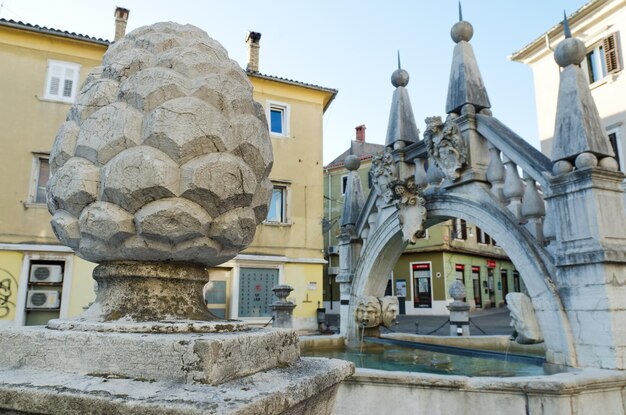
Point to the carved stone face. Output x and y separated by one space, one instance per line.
523 319
390 307
367 312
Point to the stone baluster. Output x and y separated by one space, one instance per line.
549 230
421 178
513 189
496 173
434 173
533 208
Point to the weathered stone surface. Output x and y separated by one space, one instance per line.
187 127
74 186
138 176
255 151
172 220
227 97
66 229
108 132
182 358
523 319
106 222
64 145
94 95
261 199
234 229
218 182
305 387
147 89
126 63
204 249
191 61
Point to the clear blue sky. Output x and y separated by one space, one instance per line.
349 45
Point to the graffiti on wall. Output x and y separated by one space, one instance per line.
8 285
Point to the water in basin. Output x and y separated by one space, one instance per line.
401 356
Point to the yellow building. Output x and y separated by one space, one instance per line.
40 279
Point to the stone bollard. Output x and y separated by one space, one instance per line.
459 310
282 310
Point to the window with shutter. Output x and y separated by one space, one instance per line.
61 81
611 55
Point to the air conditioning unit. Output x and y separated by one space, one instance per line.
46 273
43 299
333 250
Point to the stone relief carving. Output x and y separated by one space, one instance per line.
523 319
412 208
390 308
445 146
367 312
383 172
370 311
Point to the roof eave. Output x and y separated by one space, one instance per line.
534 47
331 93
53 32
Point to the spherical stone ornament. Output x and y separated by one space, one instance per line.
562 167
399 77
571 51
165 155
609 163
586 160
462 31
352 162
457 290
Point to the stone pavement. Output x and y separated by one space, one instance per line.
492 321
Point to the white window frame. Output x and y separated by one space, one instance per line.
598 61
412 283
34 180
63 65
234 297
20 307
286 111
286 204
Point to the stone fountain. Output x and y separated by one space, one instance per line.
160 171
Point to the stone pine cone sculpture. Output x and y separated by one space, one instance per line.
164 156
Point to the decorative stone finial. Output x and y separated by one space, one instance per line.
151 169
352 162
462 30
578 128
466 85
402 129
570 51
399 77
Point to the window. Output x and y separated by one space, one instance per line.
278 205
255 291
459 229
482 236
344 183
422 286
603 59
40 176
278 117
61 81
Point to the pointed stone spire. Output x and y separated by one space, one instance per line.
466 84
402 129
353 197
578 128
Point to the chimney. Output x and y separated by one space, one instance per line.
253 39
121 18
360 133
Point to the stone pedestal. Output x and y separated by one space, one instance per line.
282 310
48 371
459 310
